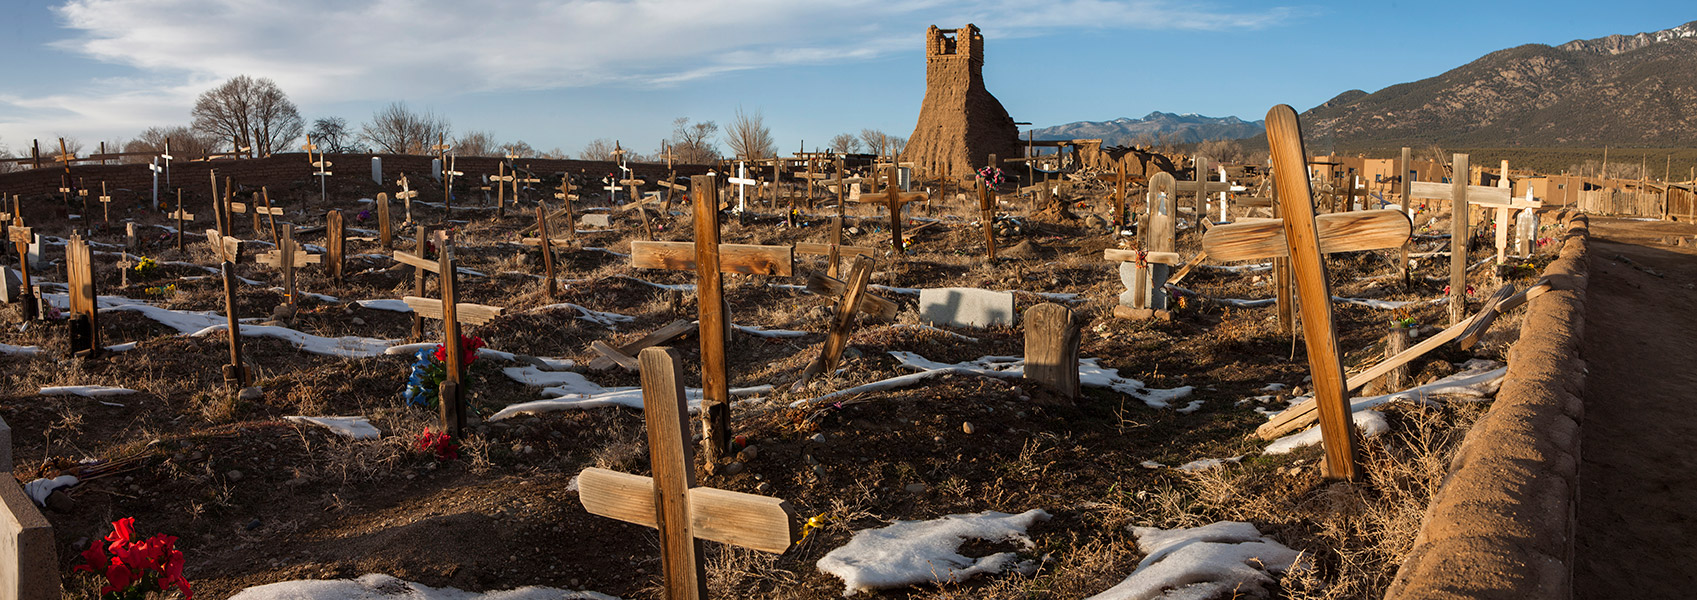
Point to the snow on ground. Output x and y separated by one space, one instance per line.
906 553
1238 268
1010 367
758 331
1367 302
1224 559
385 587
349 427
1478 378
124 347
184 321
86 391
569 390
604 319
1207 463
1368 423
318 297
347 346
389 304
23 350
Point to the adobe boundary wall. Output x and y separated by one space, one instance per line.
1502 522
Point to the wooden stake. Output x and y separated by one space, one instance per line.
1396 341
451 397
385 234
987 213
1459 234
715 393
1296 207
547 250
235 375
335 239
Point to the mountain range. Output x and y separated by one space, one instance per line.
1619 90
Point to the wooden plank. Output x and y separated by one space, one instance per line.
1184 271
408 258
1051 348
1459 231
812 249
659 336
714 323
628 362
1161 210
1314 294
831 287
842 321
1476 194
758 522
666 409
747 259
1130 255
1339 232
470 314
1480 323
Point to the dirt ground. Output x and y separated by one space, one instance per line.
1637 537
257 499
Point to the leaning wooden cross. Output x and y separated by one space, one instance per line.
1144 270
546 243
229 250
181 216
335 240
451 397
670 501
23 237
894 200
842 323
85 308
286 258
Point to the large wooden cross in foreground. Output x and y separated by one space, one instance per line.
670 501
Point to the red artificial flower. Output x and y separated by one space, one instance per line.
96 557
122 529
118 577
438 443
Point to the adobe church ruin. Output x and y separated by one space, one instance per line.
960 123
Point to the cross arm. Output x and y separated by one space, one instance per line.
1129 255
1476 194
1337 232
747 259
464 312
759 522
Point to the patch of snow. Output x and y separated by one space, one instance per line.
1478 378
893 290
384 587
1224 559
569 390
1149 464
39 489
318 297
86 391
758 331
1368 423
1190 408
347 346
389 304
604 319
1273 387
19 350
1010 367
1207 463
905 553
349 427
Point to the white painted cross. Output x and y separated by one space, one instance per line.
742 182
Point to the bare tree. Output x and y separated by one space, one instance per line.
1222 151
897 144
517 148
692 143
331 134
597 149
186 143
51 149
845 143
749 137
396 129
249 112
476 143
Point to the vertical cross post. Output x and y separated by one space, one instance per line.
666 408
217 207
421 238
1296 208
1202 190
1404 180
1458 239
987 211
270 213
715 388
385 235
547 250
105 205
565 197
180 215
335 238
22 236
451 397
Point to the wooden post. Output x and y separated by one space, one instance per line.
547 250
1051 349
1296 207
893 199
500 181
451 397
565 196
1201 190
22 236
987 211
1396 341
229 250
217 207
421 238
270 212
181 215
335 239
385 234
1459 234
254 208
842 322
715 392
1404 181
105 202
84 300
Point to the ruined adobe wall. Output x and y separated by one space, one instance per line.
1502 524
960 123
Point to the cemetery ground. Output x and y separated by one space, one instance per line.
257 499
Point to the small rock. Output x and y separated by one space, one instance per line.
251 393
357 321
967 427
818 437
748 454
733 468
916 488
819 470
937 438
233 475
764 487
254 524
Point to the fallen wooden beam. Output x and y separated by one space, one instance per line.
1482 322
831 287
733 258
1187 268
628 362
659 336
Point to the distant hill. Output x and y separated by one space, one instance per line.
1190 128
1620 90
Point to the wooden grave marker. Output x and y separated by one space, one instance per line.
405 196
500 180
420 265
1460 195
229 251
448 174
1144 271
271 212
105 205
1202 187
625 355
987 211
1051 349
742 182
286 258
385 231
670 501
85 307
842 323
893 200
545 242
182 217
22 236
335 241
323 173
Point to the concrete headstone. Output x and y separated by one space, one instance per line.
36 261
1130 276
966 307
29 564
1526 233
596 221
377 170
11 285
436 168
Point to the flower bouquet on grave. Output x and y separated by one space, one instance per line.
146 266
430 369
992 176
438 443
137 569
163 291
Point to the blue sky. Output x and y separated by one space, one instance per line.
559 74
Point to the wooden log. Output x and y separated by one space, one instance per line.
1396 341
1481 322
659 336
1296 208
1338 232
1051 349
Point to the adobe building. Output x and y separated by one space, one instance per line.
960 123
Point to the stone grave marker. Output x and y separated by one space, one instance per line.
966 307
29 561
596 221
1144 271
671 502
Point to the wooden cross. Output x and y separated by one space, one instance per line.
742 182
710 300
500 180
642 213
894 199
451 396
335 239
385 234
1202 187
105 204
1144 271
23 237
842 323
154 167
1119 181
1460 194
448 175
546 243
566 197
181 216
612 188
420 266
85 311
286 258
987 212
670 501
405 196
229 251
1296 208
322 173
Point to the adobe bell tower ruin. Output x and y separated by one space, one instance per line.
960 123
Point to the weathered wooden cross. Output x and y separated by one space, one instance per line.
229 251
85 307
23 237
1051 348
1202 187
405 196
987 211
322 173
335 240
451 396
500 180
842 323
546 243
448 175
1460 195
286 258
894 200
105 205
670 501
1144 270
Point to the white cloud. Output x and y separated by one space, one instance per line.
322 51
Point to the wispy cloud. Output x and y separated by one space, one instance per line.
322 51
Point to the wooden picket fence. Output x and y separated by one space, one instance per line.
1622 203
